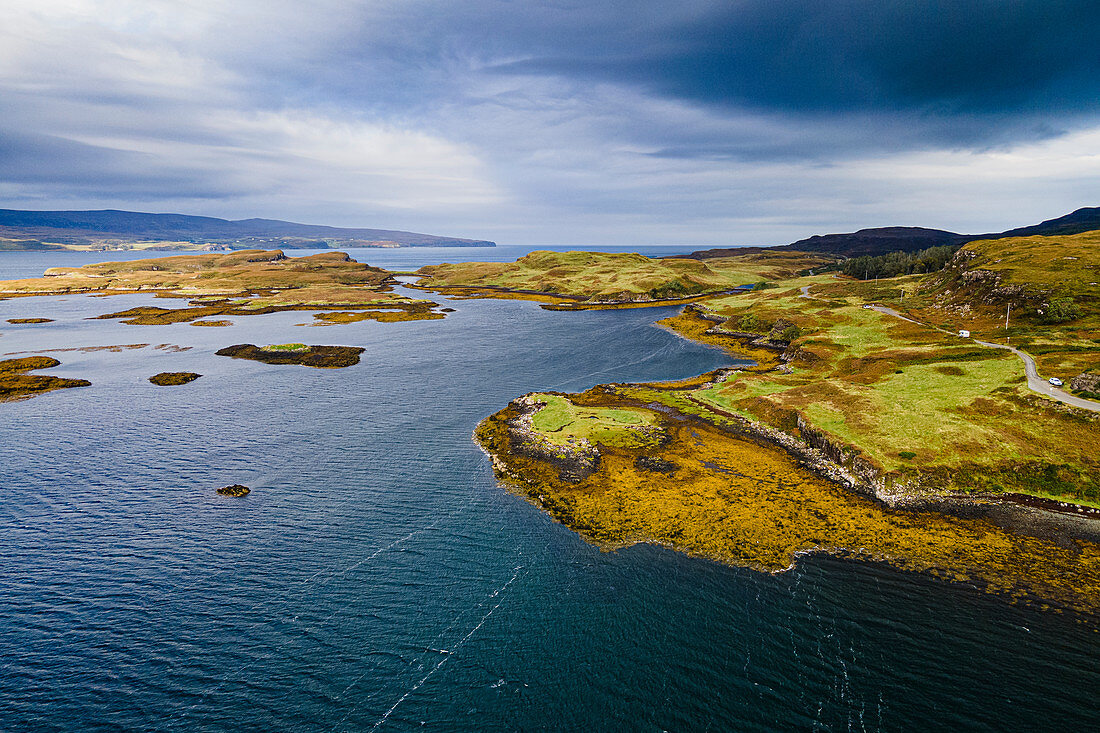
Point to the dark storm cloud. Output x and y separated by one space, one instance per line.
996 68
643 119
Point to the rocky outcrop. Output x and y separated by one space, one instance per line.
234 490
321 357
172 379
1086 382
575 462
16 384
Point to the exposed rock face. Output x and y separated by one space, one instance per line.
655 464
574 463
1086 382
234 490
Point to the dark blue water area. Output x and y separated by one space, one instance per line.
378 578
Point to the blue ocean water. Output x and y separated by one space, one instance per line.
377 578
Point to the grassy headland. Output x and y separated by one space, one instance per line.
593 278
858 433
612 466
241 283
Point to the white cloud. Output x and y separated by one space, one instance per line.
330 112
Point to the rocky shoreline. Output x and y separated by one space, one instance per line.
559 479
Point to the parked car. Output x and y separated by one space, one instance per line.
1055 381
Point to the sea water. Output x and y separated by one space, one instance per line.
378 578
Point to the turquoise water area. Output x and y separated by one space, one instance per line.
377 578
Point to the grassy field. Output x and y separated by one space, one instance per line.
564 423
907 397
708 492
602 276
1051 284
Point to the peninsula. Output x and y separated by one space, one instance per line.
882 420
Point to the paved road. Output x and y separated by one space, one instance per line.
1042 386
895 314
1034 382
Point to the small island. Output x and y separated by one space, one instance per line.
16 384
321 357
21 321
235 490
244 283
173 379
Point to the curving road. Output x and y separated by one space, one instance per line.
1042 386
1034 382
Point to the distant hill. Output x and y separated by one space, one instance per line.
878 241
117 229
883 240
1082 220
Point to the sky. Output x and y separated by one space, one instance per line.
639 122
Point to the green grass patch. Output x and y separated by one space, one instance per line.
562 422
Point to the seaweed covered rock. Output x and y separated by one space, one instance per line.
15 383
172 379
234 490
655 464
321 357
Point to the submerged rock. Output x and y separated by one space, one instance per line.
234 490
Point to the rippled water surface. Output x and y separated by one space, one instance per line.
378 578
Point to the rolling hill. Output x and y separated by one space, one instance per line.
111 229
883 240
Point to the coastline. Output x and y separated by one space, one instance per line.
955 536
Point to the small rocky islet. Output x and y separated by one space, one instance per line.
320 357
172 379
234 490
